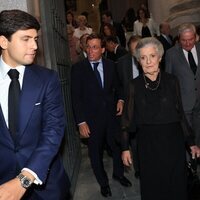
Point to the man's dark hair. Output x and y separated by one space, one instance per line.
107 13
96 36
112 39
12 21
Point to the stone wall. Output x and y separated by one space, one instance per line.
176 12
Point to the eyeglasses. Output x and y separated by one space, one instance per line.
94 48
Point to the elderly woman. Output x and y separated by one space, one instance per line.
153 107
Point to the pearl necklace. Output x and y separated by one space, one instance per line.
147 84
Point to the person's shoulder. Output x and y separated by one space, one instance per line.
107 61
136 21
42 72
125 57
173 49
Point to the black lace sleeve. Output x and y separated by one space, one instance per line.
187 129
127 123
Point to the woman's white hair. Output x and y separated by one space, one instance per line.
149 41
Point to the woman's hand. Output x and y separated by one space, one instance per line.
195 151
126 158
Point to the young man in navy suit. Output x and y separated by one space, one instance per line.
97 100
32 130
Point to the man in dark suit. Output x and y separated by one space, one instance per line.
94 86
183 60
107 18
82 47
32 130
128 68
166 39
114 49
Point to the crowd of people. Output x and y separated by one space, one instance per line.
137 91
138 95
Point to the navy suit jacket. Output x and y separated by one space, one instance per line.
40 131
90 102
125 70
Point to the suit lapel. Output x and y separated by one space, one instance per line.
29 96
4 132
198 58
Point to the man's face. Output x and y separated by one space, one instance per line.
132 47
94 49
165 29
21 49
110 46
187 40
106 19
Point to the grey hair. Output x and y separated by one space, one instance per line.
149 41
186 27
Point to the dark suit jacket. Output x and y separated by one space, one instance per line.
166 46
41 129
120 33
177 64
90 102
165 43
120 51
125 70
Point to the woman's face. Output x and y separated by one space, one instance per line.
141 14
69 17
107 31
149 59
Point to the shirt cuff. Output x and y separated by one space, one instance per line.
81 123
37 181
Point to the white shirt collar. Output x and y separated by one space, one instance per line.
4 68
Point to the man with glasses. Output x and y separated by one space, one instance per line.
94 91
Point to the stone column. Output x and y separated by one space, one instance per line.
175 12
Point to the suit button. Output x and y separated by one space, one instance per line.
195 79
195 89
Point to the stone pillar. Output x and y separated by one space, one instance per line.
13 4
175 12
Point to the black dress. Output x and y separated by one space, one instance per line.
157 115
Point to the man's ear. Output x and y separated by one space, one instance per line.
3 42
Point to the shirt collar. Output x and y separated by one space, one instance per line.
4 68
99 61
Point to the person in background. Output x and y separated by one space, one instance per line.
127 23
183 60
94 89
166 39
31 116
83 47
82 28
128 68
114 50
107 18
86 14
109 30
145 26
153 107
72 44
71 20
